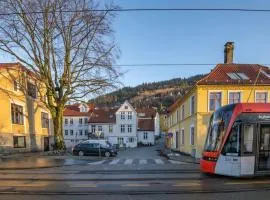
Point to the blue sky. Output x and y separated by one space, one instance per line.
188 37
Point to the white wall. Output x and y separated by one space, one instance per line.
150 137
71 140
157 125
126 107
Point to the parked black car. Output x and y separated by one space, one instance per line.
92 149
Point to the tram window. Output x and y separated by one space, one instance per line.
232 146
248 138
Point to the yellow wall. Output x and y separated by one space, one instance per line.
202 115
32 109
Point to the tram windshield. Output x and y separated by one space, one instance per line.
218 124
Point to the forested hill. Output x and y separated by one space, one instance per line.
156 94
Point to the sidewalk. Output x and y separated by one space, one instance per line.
36 160
177 156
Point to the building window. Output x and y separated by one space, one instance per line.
19 141
183 112
71 121
234 97
261 97
129 128
122 128
93 129
15 85
126 107
214 101
71 132
177 115
192 105
145 135
129 115
122 115
182 136
120 140
86 132
16 114
192 135
100 128
31 90
85 120
80 132
66 132
110 128
66 121
131 140
44 120
80 121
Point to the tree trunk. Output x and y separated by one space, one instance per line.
58 129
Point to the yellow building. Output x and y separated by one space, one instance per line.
24 120
226 84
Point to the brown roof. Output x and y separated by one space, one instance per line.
146 125
75 113
148 112
103 115
219 75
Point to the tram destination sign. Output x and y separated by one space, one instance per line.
264 117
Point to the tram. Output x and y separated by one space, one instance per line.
238 141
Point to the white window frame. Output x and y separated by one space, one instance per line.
122 128
208 99
182 133
233 91
192 126
259 91
183 114
110 128
129 128
122 115
129 115
190 107
145 135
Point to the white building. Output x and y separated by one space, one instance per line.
75 124
118 126
146 131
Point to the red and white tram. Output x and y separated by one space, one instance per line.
238 141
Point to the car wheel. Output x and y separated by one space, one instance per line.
107 154
81 153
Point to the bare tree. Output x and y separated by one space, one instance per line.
69 45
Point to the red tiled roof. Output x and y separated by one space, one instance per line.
148 112
146 125
103 115
71 112
219 75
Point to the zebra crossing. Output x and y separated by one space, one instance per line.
128 161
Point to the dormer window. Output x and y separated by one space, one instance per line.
126 107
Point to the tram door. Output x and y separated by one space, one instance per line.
264 148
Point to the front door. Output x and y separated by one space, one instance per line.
264 148
46 144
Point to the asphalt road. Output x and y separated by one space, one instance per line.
134 174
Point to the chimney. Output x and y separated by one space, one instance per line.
228 52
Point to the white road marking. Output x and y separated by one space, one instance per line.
176 162
159 161
143 162
114 162
128 161
97 163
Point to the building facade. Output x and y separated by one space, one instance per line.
227 83
25 122
117 125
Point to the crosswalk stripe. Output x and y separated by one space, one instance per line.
114 162
142 162
159 161
128 161
97 163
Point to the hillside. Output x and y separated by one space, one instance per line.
156 94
